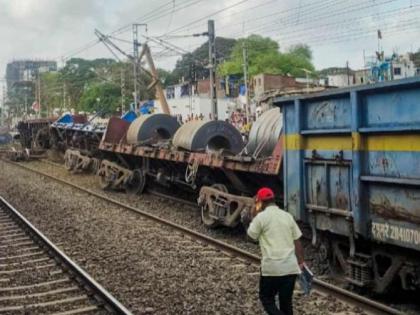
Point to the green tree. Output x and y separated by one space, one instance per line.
264 56
166 77
20 98
302 50
101 97
78 74
81 82
200 58
51 92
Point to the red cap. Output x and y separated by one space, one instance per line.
265 194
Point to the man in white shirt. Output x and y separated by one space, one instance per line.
282 253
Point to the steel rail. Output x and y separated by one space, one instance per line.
169 197
110 303
150 191
321 286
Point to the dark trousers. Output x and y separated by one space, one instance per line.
282 286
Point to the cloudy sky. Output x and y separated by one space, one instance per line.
337 30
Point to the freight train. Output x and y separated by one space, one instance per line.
205 160
344 162
79 138
351 164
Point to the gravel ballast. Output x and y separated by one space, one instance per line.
150 268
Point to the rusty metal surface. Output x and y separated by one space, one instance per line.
223 207
270 166
265 133
111 175
38 121
28 130
211 135
79 119
74 161
24 155
152 128
116 130
392 206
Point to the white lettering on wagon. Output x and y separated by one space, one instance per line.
385 232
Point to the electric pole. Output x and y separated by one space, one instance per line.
136 68
212 68
64 99
135 63
3 106
39 94
348 73
245 65
122 90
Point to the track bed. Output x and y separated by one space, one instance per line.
37 278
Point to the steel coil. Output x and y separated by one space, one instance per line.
152 128
212 135
265 133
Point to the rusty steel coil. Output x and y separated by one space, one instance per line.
152 128
265 133
215 135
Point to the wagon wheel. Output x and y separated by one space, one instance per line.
69 163
136 183
42 138
95 165
104 183
205 210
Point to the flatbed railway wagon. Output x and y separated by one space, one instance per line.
78 138
351 162
33 133
202 160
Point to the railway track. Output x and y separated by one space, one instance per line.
369 306
38 278
150 191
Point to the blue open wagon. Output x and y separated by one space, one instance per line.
352 171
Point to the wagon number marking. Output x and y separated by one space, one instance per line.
385 231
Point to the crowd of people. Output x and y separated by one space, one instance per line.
191 117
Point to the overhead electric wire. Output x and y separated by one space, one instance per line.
128 26
94 42
160 14
146 18
312 16
172 16
79 50
307 15
311 8
205 17
233 14
360 32
348 22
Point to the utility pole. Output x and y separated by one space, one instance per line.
64 98
39 94
3 106
135 63
348 73
26 103
136 68
212 68
122 90
245 65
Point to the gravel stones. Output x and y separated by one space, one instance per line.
151 269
